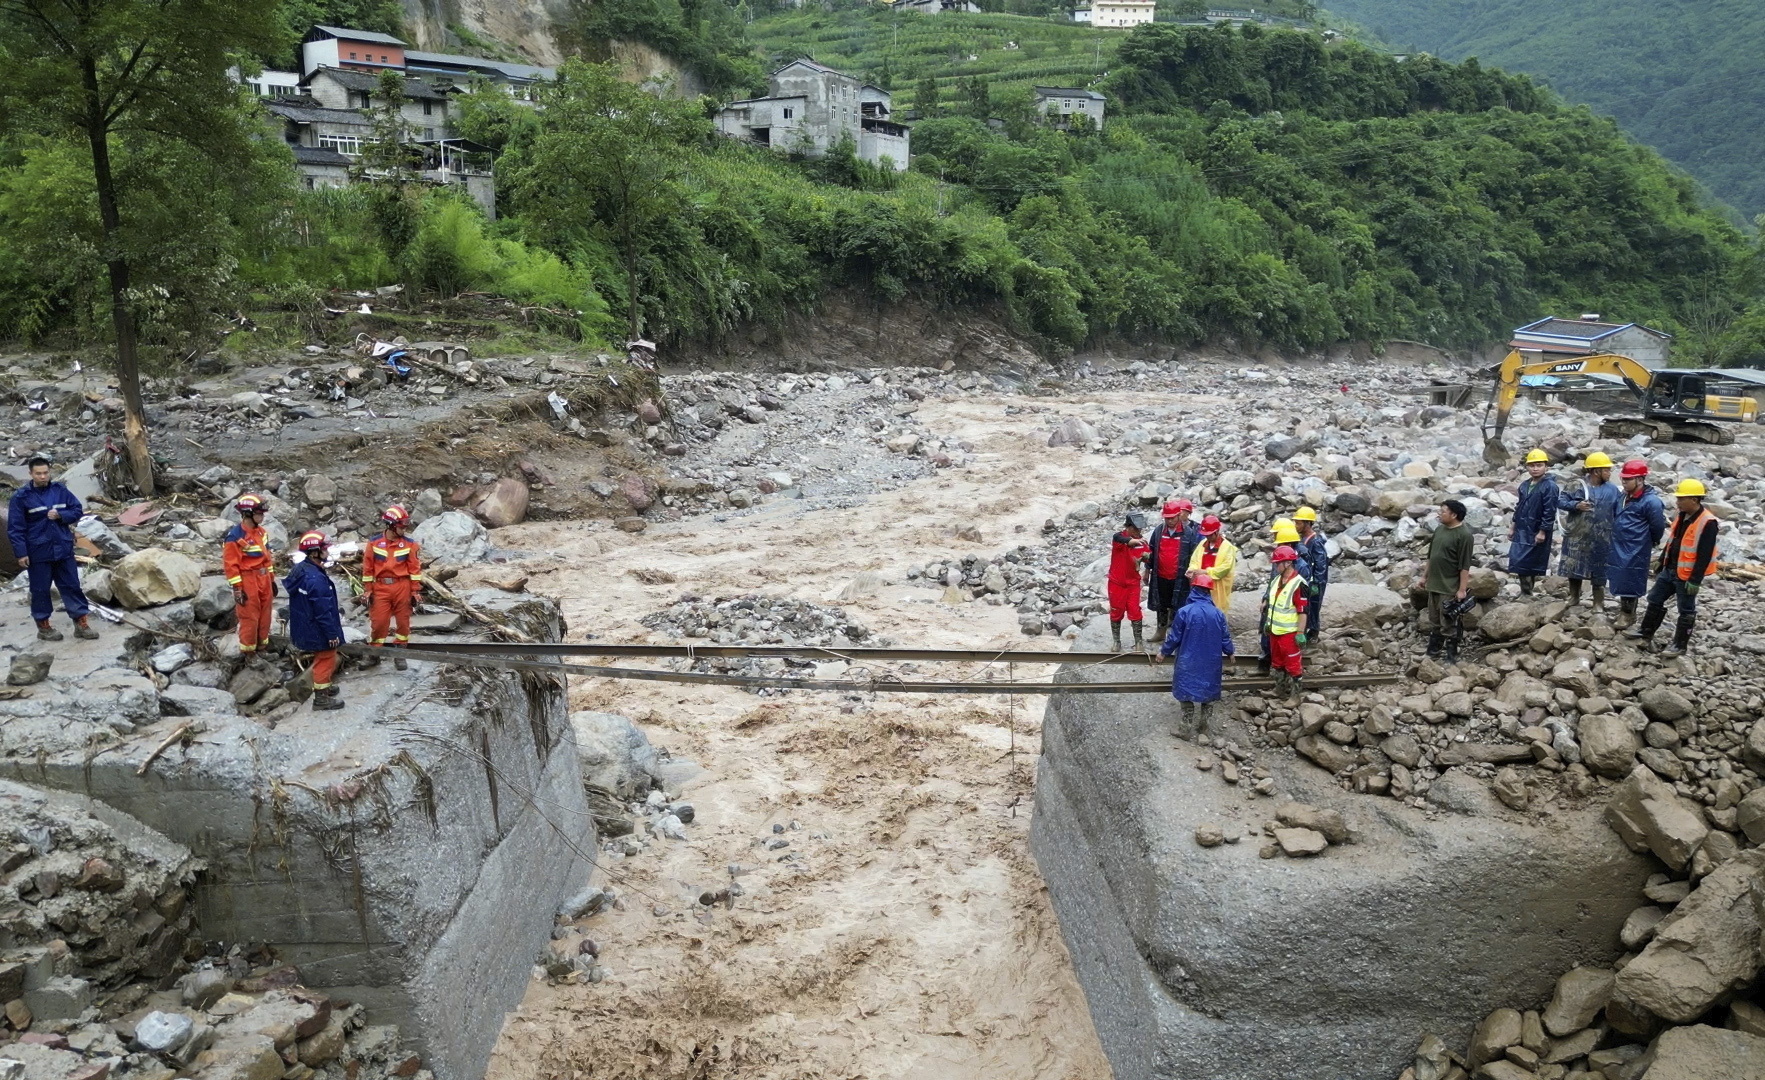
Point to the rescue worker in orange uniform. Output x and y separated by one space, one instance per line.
246 559
392 579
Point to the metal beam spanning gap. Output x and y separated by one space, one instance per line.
807 652
456 655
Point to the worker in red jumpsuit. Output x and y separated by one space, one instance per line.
1126 552
246 559
392 580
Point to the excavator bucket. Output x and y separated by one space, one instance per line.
1495 455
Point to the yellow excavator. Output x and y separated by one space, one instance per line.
1677 404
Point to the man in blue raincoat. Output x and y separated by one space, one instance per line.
40 524
1535 520
1200 641
1641 523
1591 510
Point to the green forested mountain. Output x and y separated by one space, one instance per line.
1687 78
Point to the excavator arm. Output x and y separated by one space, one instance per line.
1514 367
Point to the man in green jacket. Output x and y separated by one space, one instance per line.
1447 579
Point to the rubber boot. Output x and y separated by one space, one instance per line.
372 659
1139 637
1262 665
1651 621
1435 640
1574 591
326 700
1164 623
1450 654
1526 583
45 632
83 630
1295 688
1681 636
1115 631
1626 612
1202 711
1599 596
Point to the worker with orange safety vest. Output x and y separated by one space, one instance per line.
1687 558
392 579
246 560
314 624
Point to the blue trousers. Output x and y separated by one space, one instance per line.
1311 613
1667 584
65 573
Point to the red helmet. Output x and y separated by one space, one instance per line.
312 541
395 515
1177 506
249 504
1210 525
1201 579
1634 468
1284 554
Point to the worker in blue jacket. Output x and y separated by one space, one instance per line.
1200 640
40 524
1535 522
314 624
1641 523
1314 566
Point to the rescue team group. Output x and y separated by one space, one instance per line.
41 528
1610 532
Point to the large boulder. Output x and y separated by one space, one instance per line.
502 503
1072 431
155 576
1509 622
1648 815
1707 948
1580 995
1665 704
1701 1052
616 756
452 537
1608 746
1212 962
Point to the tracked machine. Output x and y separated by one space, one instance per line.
1676 404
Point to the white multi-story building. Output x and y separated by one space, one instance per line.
811 108
1120 14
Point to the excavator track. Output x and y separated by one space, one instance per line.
1624 427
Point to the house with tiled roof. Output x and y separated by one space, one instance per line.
1588 335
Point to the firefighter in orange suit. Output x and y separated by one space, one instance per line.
246 558
392 579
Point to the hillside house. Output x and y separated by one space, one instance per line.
1554 337
1120 14
936 7
1061 103
811 108
364 51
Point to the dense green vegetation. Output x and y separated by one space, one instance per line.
1253 184
1688 79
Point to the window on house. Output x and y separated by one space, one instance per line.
383 59
428 108
359 98
788 113
428 134
352 56
348 145
1066 103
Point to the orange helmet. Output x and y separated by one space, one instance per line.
1210 525
313 541
1284 554
395 515
249 504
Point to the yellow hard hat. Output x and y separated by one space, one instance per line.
1305 513
1597 460
1540 455
1288 535
1280 523
1693 488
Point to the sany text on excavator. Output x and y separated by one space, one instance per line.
1677 404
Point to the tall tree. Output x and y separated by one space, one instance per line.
925 98
607 162
102 72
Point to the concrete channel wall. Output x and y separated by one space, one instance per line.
1217 963
408 852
